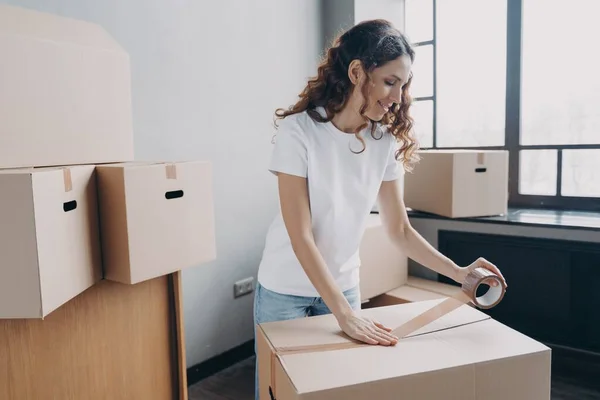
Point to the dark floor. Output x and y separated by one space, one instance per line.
237 383
234 383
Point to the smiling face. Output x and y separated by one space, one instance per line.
386 85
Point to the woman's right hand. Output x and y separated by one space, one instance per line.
366 330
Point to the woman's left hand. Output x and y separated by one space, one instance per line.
479 263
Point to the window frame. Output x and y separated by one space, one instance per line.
513 123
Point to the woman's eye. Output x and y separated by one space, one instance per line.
389 83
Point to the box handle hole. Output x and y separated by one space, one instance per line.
480 170
69 205
174 194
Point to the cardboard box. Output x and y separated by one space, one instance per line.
459 183
463 355
65 94
155 218
49 238
383 265
401 295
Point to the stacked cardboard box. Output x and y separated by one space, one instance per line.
384 266
459 183
384 278
74 205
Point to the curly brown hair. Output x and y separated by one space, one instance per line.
374 43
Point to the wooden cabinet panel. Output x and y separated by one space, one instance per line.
113 341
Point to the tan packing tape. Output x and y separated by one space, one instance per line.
171 171
67 179
468 294
480 158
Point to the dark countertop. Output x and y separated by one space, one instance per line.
531 217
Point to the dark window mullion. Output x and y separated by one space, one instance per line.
513 94
559 172
559 146
434 44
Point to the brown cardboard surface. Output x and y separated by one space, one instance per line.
383 265
432 286
66 96
447 183
156 218
477 357
49 239
403 294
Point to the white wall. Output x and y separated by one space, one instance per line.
392 10
207 77
339 15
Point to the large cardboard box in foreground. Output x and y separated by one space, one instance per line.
49 238
155 218
463 355
459 183
65 95
383 265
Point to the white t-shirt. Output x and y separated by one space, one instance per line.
343 188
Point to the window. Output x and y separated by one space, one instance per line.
519 75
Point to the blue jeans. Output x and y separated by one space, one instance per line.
270 306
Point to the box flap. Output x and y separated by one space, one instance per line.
20 294
433 286
414 294
325 330
67 235
37 25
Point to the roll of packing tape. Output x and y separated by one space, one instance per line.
482 276
468 294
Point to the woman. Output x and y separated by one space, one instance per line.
335 155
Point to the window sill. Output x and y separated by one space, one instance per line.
581 220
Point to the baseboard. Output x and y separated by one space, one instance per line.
218 363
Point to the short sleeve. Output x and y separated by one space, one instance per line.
392 170
290 155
